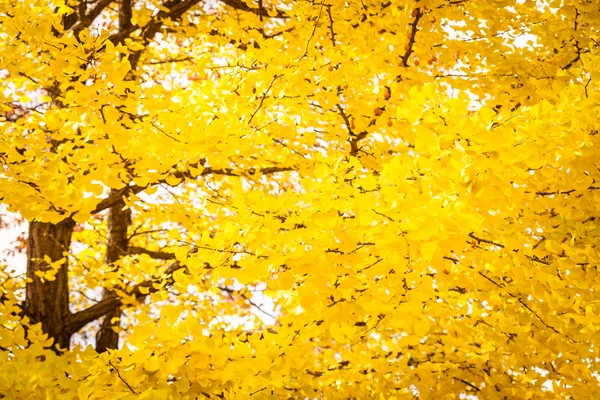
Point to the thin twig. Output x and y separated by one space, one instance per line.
262 99
542 321
170 60
472 39
147 232
158 255
585 89
313 32
121 378
165 133
259 308
383 215
454 260
258 391
479 240
468 384
491 280
553 329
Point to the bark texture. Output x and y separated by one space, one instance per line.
116 247
47 302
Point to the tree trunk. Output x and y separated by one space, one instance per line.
47 301
118 222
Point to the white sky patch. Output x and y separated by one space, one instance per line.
12 260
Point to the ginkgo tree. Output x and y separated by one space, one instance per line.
300 199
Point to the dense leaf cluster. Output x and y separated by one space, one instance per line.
301 199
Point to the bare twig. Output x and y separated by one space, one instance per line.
491 280
257 391
383 215
263 97
138 233
454 260
475 388
164 133
479 240
346 119
170 60
585 89
121 378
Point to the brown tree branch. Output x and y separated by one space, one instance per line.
469 384
354 138
98 310
346 119
241 294
578 50
116 197
125 14
121 378
119 220
479 240
525 306
260 11
413 34
331 24
262 99
175 9
158 255
553 329
90 16
171 60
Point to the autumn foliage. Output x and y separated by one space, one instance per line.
297 199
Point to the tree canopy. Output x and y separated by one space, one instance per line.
298 199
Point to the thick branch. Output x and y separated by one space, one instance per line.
82 318
125 15
119 220
90 16
158 255
116 197
175 9
242 6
